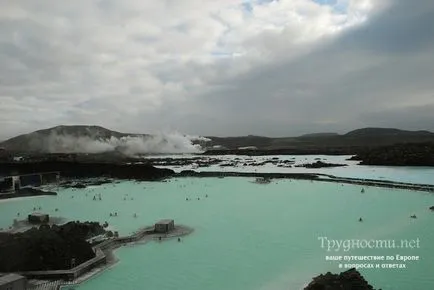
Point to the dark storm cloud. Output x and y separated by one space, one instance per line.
379 74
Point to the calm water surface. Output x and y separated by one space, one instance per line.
247 236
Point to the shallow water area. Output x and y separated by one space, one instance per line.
247 235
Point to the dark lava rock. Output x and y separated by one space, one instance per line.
199 161
47 248
348 280
421 154
99 182
83 183
88 169
320 164
187 173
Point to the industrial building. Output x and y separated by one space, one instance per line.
30 180
12 183
164 226
13 282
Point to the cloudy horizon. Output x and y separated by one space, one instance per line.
217 68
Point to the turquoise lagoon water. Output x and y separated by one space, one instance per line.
247 235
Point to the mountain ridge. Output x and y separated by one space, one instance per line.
371 136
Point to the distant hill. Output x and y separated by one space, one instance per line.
360 138
382 132
61 138
317 135
43 140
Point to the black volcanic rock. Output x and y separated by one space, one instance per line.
78 185
410 154
83 183
348 280
88 169
320 164
199 161
47 248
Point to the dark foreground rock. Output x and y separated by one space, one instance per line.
348 280
47 248
83 183
320 164
88 169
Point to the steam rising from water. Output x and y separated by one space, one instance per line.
129 145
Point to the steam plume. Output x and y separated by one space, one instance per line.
129 145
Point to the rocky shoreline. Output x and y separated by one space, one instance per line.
320 164
71 169
310 176
200 162
419 154
348 280
104 259
48 247
26 192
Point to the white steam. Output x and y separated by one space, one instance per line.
129 145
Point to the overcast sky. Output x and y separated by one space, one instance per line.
217 67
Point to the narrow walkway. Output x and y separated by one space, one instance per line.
106 249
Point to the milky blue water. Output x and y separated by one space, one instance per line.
247 236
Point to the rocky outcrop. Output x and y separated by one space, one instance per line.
420 154
320 164
348 280
83 183
88 169
198 161
47 248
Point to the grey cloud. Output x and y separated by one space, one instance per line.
409 117
91 66
336 86
406 27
